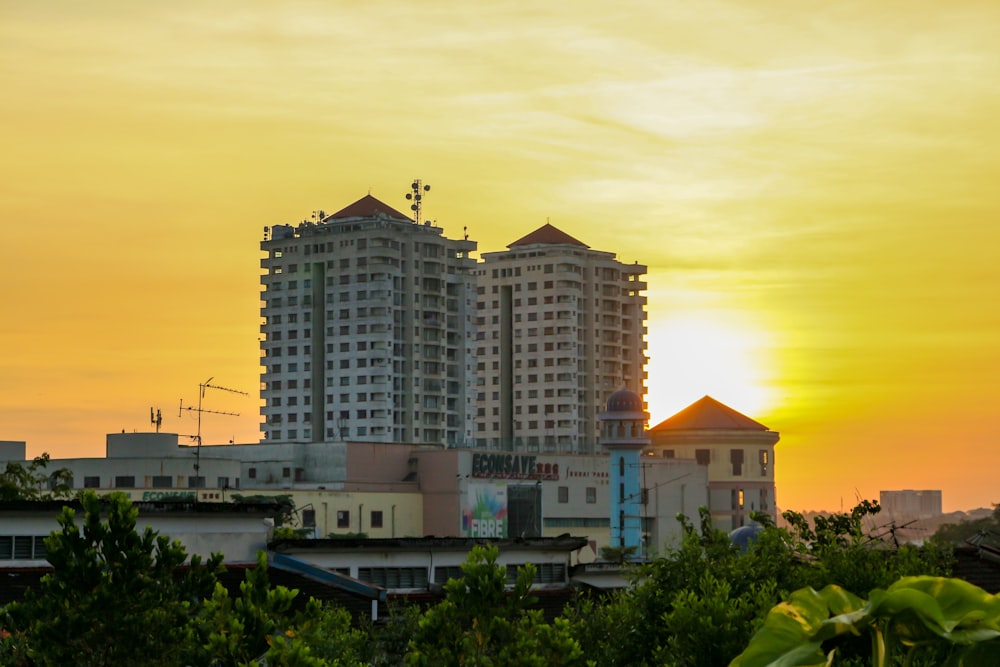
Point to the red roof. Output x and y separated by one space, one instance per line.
367 207
549 235
708 414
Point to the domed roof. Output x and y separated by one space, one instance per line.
625 400
746 535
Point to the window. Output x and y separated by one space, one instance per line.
736 458
343 519
124 482
309 518
763 463
252 473
162 481
196 482
92 482
22 547
376 519
286 472
564 494
222 483
591 494
394 577
703 456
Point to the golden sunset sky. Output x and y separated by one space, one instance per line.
815 188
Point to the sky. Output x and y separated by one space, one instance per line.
813 187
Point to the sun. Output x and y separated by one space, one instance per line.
708 352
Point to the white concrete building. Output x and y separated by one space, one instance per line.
238 531
560 328
736 452
368 330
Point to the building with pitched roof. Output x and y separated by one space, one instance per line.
737 452
560 327
368 330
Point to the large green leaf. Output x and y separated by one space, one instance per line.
925 609
914 611
793 632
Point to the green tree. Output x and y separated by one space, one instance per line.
115 597
957 533
261 623
700 603
481 623
31 482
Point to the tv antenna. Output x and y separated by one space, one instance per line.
416 195
202 388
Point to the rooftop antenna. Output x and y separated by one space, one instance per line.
156 419
416 195
202 388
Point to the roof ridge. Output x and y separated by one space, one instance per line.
547 234
367 207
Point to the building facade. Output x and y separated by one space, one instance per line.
560 327
367 330
624 436
736 452
911 503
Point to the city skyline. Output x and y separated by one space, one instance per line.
811 189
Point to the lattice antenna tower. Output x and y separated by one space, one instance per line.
416 195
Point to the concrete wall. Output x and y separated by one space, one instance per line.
237 535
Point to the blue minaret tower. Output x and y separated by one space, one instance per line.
623 434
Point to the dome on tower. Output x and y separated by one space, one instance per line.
625 400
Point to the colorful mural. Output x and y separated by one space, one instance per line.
485 511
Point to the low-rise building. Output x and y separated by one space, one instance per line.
736 451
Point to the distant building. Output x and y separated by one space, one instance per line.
368 330
560 327
737 452
911 504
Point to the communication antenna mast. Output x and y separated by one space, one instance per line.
156 419
202 388
416 195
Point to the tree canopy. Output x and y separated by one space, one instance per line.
120 596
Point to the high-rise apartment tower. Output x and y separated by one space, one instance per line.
368 330
560 328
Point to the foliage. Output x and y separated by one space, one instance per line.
914 616
114 596
261 623
26 482
700 603
283 503
620 555
956 533
289 533
480 623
